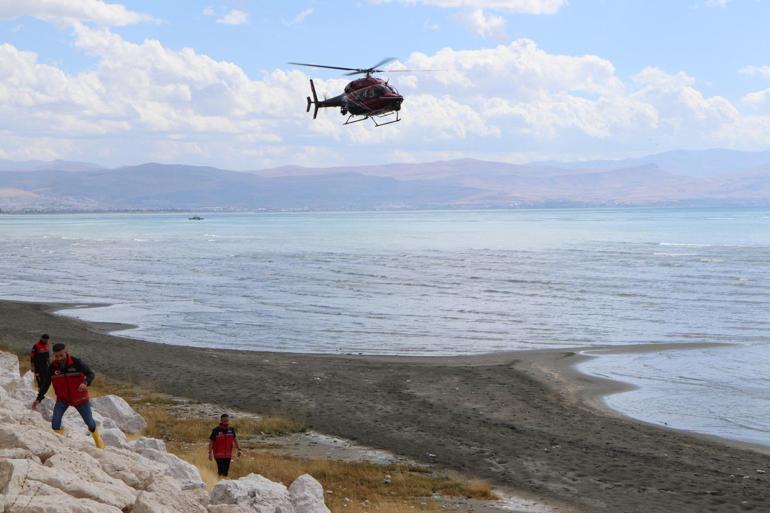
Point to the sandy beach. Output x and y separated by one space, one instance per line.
526 421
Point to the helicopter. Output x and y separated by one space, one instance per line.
364 98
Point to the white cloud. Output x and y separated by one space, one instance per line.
483 24
756 71
717 3
69 11
234 17
300 17
209 11
512 6
143 101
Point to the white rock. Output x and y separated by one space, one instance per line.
108 424
16 476
134 470
39 442
4 396
18 454
28 381
80 475
186 473
253 491
9 371
148 443
37 497
27 395
307 495
114 437
164 495
117 409
228 508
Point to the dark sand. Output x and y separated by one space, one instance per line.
525 421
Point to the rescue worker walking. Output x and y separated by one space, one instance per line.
221 444
38 360
70 377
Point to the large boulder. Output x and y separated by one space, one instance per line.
164 495
9 371
253 491
20 479
116 408
80 475
28 380
114 437
228 508
307 495
148 443
186 473
31 496
26 395
18 453
40 442
136 471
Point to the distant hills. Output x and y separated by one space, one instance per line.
688 178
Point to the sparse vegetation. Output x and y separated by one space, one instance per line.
350 486
161 423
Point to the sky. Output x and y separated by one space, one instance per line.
208 82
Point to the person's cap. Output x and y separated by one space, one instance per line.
44 336
58 347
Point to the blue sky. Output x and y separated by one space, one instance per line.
208 82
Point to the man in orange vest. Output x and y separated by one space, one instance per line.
38 360
70 378
221 444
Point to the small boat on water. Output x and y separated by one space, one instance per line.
195 218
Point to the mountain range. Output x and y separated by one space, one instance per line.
686 178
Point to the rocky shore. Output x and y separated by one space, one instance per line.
42 472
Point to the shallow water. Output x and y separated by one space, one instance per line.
435 283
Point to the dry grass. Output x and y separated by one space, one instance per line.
350 486
163 424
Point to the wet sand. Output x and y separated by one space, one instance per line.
526 421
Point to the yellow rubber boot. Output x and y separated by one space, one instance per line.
97 439
59 431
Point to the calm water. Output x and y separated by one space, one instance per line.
437 283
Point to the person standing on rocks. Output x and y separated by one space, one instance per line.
38 360
71 378
221 444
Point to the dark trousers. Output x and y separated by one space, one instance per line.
223 466
84 410
40 379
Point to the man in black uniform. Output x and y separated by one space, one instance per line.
221 444
38 360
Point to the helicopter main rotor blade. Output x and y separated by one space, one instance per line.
405 70
357 70
382 62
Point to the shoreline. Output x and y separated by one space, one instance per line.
592 394
529 420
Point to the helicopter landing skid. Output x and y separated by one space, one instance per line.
352 118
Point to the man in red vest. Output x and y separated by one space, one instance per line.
221 444
70 378
38 360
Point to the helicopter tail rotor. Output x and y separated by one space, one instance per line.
314 101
